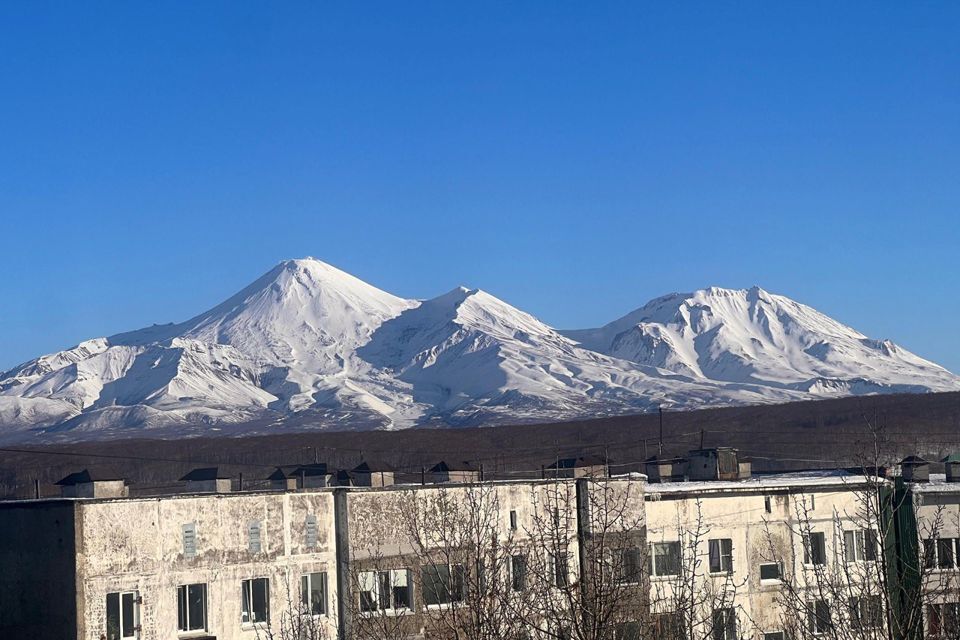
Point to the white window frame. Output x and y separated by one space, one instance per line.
451 572
813 619
186 601
807 542
725 560
654 568
729 631
246 590
135 595
954 551
766 581
855 545
372 582
306 590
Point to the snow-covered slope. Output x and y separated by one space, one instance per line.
755 337
311 346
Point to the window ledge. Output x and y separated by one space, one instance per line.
444 606
393 613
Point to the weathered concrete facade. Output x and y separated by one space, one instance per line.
733 536
376 552
137 546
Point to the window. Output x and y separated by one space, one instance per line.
770 572
941 553
814 548
818 617
628 565
386 590
192 607
513 520
721 555
442 583
946 553
253 537
123 615
518 572
190 540
310 531
724 624
943 620
627 631
866 612
667 625
255 600
774 635
665 559
561 570
767 505
313 593
860 545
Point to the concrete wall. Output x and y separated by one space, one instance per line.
381 523
137 545
757 537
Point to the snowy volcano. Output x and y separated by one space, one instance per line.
308 346
751 336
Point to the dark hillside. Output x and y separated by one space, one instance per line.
789 436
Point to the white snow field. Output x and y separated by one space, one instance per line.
311 346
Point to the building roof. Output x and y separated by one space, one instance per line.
371 466
86 476
711 451
311 470
826 479
205 473
279 474
443 466
655 459
953 457
342 478
576 463
913 460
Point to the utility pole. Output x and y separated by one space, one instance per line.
660 446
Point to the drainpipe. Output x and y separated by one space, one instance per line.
341 528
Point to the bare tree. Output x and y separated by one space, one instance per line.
466 560
882 581
299 620
695 592
587 565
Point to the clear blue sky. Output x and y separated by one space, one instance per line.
575 159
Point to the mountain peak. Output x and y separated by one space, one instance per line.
308 337
750 336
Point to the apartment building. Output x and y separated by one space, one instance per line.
192 565
727 555
722 551
930 514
